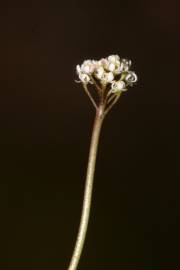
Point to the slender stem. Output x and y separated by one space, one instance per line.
89 95
88 189
110 98
113 103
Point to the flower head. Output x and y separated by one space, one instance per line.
110 70
111 76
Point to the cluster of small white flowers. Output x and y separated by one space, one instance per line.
111 70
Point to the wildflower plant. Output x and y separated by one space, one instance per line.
110 77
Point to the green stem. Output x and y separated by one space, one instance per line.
88 189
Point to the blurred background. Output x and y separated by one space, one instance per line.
45 127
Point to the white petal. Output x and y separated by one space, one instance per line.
126 64
103 62
87 62
111 67
113 58
134 77
131 77
100 72
78 69
110 77
92 68
120 85
85 69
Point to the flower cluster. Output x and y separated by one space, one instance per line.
111 71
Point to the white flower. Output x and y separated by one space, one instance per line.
118 86
103 76
107 77
125 64
131 77
105 71
104 63
87 67
84 71
113 58
115 64
84 78
99 72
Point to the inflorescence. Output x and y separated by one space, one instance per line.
111 76
111 70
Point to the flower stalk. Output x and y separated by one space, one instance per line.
88 189
110 76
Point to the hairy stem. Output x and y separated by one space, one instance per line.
88 189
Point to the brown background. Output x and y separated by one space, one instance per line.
46 121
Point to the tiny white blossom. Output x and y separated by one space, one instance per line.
125 64
113 58
87 67
84 78
103 62
107 77
118 86
131 77
114 64
99 73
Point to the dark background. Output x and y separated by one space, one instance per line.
46 121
